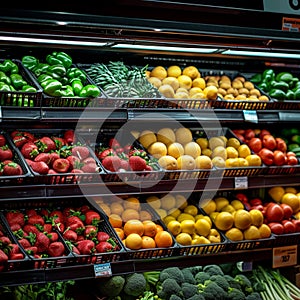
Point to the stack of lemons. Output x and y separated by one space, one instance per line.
186 83
184 220
234 221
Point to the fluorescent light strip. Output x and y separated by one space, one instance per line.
262 54
165 48
49 41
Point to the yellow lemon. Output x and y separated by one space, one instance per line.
224 220
242 219
228 208
184 239
175 149
232 163
175 213
192 148
181 201
203 162
252 233
160 72
257 217
215 142
221 202
202 227
185 216
206 152
292 200
161 212
242 162
202 142
168 202
244 151
185 81
237 204
191 209
265 231
174 227
232 152
167 90
198 240
157 149
219 151
191 71
234 234
211 92
276 193
174 71
166 135
254 160
172 81
155 82
199 82
290 189
147 137
218 162
181 95
195 90
168 219
209 207
188 226
233 142
153 201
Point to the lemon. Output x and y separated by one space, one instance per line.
185 216
257 217
168 219
157 149
290 189
186 162
174 71
191 209
181 201
232 163
237 204
229 208
209 207
231 152
199 82
175 149
199 240
265 231
175 213
218 162
219 151
154 201
183 135
181 95
166 135
221 202
276 193
195 90
188 226
242 162
254 160
184 239
192 148
167 90
174 227
202 227
203 162
234 234
191 71
155 82
242 219
168 202
292 200
252 233
172 81
202 142
160 72
215 142
147 137
233 142
206 152
211 92
224 220
243 151
161 212
185 81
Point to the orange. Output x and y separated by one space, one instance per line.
116 208
133 226
159 227
120 233
163 239
150 228
115 220
129 214
145 215
148 242
132 202
134 241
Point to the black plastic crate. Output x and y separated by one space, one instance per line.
22 99
286 239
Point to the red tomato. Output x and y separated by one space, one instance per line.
297 225
288 226
287 210
276 228
274 213
256 201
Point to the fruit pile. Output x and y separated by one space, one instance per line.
185 222
55 153
135 224
8 163
186 83
237 223
272 149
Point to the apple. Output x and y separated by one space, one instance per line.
279 158
255 144
292 160
297 224
274 212
267 156
287 210
249 134
276 228
288 226
281 144
263 132
269 141
255 201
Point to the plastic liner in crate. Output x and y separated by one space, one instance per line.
19 98
286 239
234 102
15 179
12 264
60 177
101 143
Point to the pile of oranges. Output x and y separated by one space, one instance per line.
134 224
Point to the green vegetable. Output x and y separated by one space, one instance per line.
51 86
297 94
4 87
76 73
90 91
168 288
263 86
76 86
30 62
17 81
66 91
43 77
135 284
9 67
52 60
56 71
40 68
4 78
201 277
172 272
110 287
257 78
188 290
28 88
64 58
188 275
284 76
236 294
277 94
280 85
290 95
268 75
213 270
211 291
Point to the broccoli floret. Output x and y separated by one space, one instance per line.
196 297
168 288
211 291
232 283
220 281
195 269
254 296
175 297
172 272
188 276
135 284
111 286
189 289
201 277
245 283
236 294
213 270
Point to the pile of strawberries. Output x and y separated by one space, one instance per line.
57 232
54 154
117 158
8 166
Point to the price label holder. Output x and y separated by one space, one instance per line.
1 114
241 182
284 256
244 266
250 116
102 270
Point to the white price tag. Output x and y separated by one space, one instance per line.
244 266
102 270
241 182
284 256
250 116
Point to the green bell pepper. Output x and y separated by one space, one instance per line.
290 95
64 58
277 94
281 85
4 78
4 87
76 86
28 88
30 62
284 76
50 86
76 73
297 94
257 78
67 91
263 86
293 82
17 81
52 60
56 71
9 67
44 77
268 75
90 91
41 68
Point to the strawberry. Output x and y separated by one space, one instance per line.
19 141
90 168
92 217
24 243
59 142
5 153
70 235
77 171
38 166
86 247
3 257
74 162
15 217
53 236
32 250
45 144
137 163
90 231
4 241
16 256
81 152
53 156
2 140
37 219
89 160
47 227
111 163
45 157
106 152
42 242
113 143
56 249
75 223
61 165
31 228
125 165
102 236
30 150
103 247
69 136
12 169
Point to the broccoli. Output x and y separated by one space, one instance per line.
213 270
201 276
110 286
175 297
211 291
188 290
236 294
172 272
220 281
196 297
168 288
135 284
254 296
232 283
195 269
245 283
188 276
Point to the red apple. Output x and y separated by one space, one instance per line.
255 144
274 213
267 156
263 132
287 210
281 144
297 224
269 141
249 134
276 228
279 158
288 226
292 160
